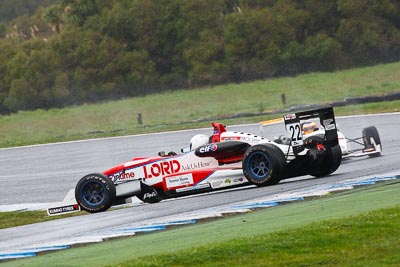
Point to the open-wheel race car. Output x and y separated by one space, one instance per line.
224 159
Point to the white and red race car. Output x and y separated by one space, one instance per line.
225 159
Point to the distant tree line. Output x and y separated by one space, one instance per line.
76 51
11 9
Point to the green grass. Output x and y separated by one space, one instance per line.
369 239
181 109
12 219
353 228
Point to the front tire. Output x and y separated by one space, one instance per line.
264 164
95 192
368 134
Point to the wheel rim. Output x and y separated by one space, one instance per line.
259 165
93 193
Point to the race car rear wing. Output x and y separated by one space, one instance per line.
293 124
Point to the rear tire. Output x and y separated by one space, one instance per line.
95 192
328 161
367 134
264 164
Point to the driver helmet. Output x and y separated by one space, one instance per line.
309 127
198 140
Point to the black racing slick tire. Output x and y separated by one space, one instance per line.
95 192
371 133
327 160
264 164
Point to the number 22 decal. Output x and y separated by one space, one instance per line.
294 130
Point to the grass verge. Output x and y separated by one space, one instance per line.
354 228
18 218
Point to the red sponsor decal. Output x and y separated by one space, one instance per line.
161 168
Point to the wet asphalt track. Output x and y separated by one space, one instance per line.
46 173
